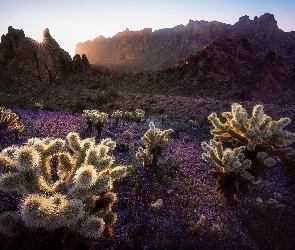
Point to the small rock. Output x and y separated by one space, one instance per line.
158 203
259 200
170 191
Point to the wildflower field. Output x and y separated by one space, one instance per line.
173 206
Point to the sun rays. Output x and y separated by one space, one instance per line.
46 42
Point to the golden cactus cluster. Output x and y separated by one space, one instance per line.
9 121
258 134
155 139
79 199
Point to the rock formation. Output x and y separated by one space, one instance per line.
46 60
147 51
232 65
220 61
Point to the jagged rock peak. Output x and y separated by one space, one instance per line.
266 22
127 32
45 60
46 33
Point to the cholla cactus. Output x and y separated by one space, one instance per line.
144 155
128 115
259 129
139 114
228 160
17 129
117 114
9 121
79 200
259 136
233 175
95 118
7 118
259 133
155 139
38 105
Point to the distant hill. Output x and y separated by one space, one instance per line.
230 67
149 51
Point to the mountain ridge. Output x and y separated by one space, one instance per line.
132 52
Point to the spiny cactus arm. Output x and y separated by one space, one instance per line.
85 177
52 212
6 165
74 141
212 153
25 178
92 227
36 210
87 114
237 118
109 143
280 137
70 211
99 158
12 182
257 116
267 160
66 167
155 137
225 131
103 183
216 122
54 147
46 149
246 164
144 155
79 147
103 203
281 123
9 152
118 172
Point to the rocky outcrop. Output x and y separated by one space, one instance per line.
229 67
218 62
147 51
80 64
46 60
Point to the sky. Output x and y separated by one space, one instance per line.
71 21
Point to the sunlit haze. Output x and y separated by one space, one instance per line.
70 22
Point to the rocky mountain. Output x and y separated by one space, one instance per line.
47 61
230 67
148 51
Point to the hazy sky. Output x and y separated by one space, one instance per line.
72 21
